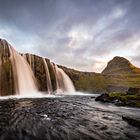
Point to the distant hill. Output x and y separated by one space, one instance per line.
120 65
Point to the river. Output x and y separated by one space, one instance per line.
73 117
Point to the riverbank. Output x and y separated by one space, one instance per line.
121 99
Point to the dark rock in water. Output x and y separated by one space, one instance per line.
104 98
132 120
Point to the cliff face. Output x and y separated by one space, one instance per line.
38 68
119 74
6 71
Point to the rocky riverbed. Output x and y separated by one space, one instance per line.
65 118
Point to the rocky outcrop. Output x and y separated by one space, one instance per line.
6 71
104 98
120 99
133 120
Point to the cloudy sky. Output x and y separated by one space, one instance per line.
81 34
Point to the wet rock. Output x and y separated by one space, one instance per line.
104 98
132 120
67 118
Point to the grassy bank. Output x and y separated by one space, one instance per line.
126 99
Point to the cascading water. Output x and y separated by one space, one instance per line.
64 83
23 76
48 78
69 87
20 73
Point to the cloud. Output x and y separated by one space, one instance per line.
82 34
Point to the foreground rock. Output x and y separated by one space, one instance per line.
67 118
132 120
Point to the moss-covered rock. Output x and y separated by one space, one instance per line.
123 99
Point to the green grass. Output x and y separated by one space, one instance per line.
132 100
98 82
90 83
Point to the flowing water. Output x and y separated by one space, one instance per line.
65 118
24 79
64 84
48 78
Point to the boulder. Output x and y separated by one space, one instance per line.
132 120
104 98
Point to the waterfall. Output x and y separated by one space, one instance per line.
48 78
64 83
24 79
20 73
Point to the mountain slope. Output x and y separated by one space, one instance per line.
120 65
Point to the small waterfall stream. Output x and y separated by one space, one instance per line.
68 85
48 78
64 83
24 79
